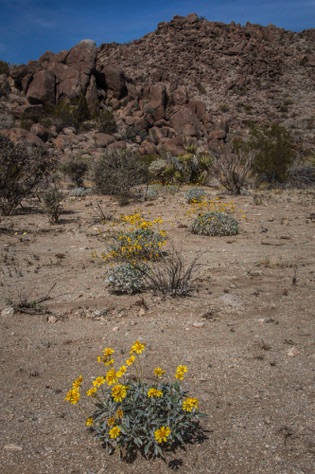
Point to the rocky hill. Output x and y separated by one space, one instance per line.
190 81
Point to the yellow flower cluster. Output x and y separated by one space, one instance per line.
210 205
73 395
180 372
162 434
190 404
106 356
158 372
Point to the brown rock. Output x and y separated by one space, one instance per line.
180 96
115 80
40 131
42 88
102 140
185 117
82 57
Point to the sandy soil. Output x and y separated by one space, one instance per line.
246 333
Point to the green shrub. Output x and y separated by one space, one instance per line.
126 278
106 122
215 224
70 113
4 67
274 152
117 172
234 166
132 414
52 204
195 195
76 170
21 171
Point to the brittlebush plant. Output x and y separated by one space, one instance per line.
133 414
139 241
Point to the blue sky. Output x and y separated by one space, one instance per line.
28 28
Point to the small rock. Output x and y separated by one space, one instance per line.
198 324
141 312
293 352
9 311
12 447
115 329
52 319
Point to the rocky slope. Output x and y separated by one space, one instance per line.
190 81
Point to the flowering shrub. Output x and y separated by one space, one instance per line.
215 224
195 195
132 414
140 241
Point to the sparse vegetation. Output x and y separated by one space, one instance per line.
21 171
76 169
52 204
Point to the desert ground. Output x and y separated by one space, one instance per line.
246 333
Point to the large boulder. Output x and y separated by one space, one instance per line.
82 57
115 80
42 89
185 122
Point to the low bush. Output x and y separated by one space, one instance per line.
106 122
118 173
132 414
195 195
21 170
139 242
76 169
52 204
215 224
126 278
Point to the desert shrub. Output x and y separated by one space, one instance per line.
106 122
76 169
190 167
150 194
21 171
117 172
139 241
195 195
171 275
215 224
70 113
274 152
52 204
159 170
134 414
126 278
4 67
234 166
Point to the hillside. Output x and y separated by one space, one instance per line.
190 81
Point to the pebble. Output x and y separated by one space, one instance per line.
12 447
293 352
9 311
115 329
198 324
52 319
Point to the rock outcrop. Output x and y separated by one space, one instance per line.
190 81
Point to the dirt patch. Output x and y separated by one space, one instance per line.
246 333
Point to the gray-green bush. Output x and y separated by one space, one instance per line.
215 224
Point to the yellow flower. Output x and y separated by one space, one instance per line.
131 360
73 396
119 413
180 372
91 392
121 371
89 422
159 372
138 348
77 382
98 381
190 404
111 377
154 392
108 351
162 434
114 432
111 421
119 392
